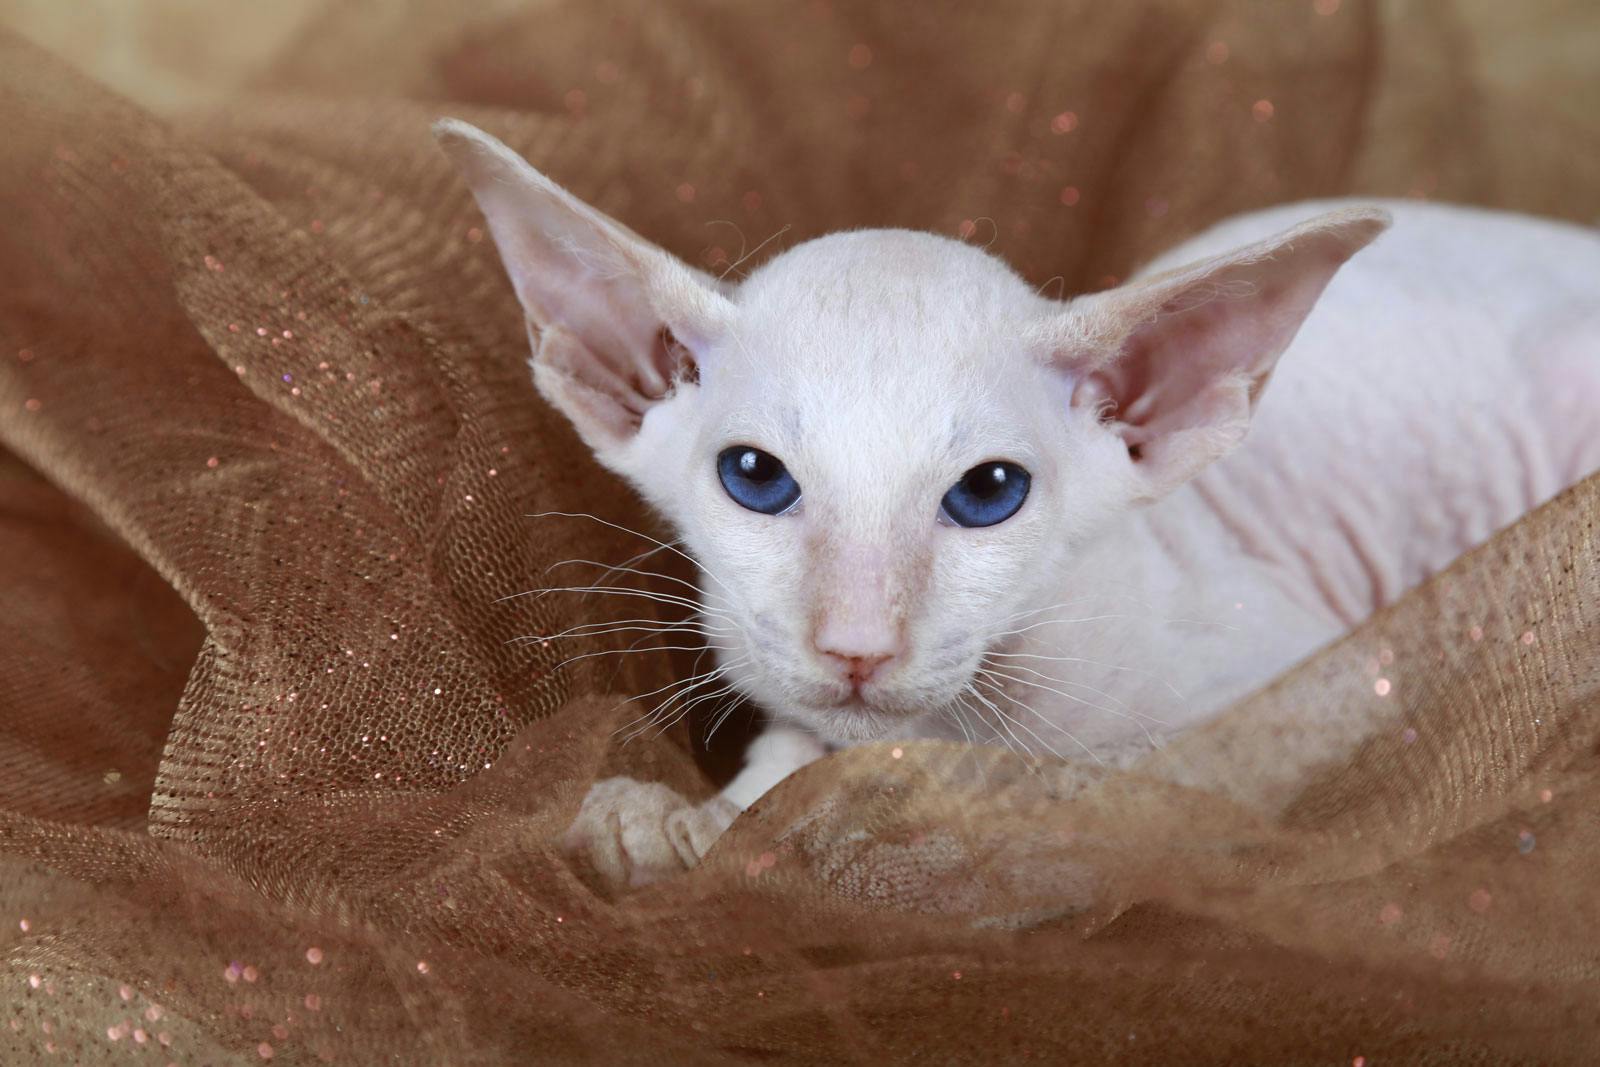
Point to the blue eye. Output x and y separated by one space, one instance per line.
757 480
987 494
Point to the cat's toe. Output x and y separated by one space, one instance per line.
623 830
695 829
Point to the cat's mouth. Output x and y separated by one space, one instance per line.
871 711
872 702
847 714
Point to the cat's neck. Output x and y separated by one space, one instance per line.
1168 617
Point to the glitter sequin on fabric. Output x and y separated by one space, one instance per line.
276 781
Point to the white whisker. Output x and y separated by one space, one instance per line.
620 568
955 708
1054 726
722 718
617 590
634 651
1121 711
1018 722
1005 721
694 674
743 255
635 533
685 628
680 689
1133 717
1054 622
1153 617
633 560
1091 663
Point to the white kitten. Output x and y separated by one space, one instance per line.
929 502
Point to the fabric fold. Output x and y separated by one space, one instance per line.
286 753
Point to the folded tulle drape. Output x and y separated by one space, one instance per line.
277 780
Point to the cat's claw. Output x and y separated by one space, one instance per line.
635 833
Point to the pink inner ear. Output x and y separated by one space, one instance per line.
1168 375
1181 358
1093 393
1182 388
674 360
598 298
607 397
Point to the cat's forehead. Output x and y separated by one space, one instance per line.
862 302
879 343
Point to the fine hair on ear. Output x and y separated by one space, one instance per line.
1175 363
616 323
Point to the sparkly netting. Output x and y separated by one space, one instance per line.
273 784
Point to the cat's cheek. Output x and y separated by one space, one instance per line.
660 460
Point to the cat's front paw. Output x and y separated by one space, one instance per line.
635 833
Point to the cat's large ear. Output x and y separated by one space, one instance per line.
613 319
1178 360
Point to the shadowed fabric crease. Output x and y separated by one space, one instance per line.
277 781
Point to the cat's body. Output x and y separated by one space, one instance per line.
1100 570
1447 382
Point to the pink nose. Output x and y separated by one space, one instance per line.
857 670
857 652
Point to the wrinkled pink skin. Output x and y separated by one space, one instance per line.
1447 382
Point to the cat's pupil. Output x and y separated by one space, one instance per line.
987 494
985 482
757 466
756 480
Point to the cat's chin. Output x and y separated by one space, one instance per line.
841 717
853 724
858 722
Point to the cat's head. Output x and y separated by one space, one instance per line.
883 446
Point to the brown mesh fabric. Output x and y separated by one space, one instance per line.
276 783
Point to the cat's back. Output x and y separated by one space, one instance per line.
1447 382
